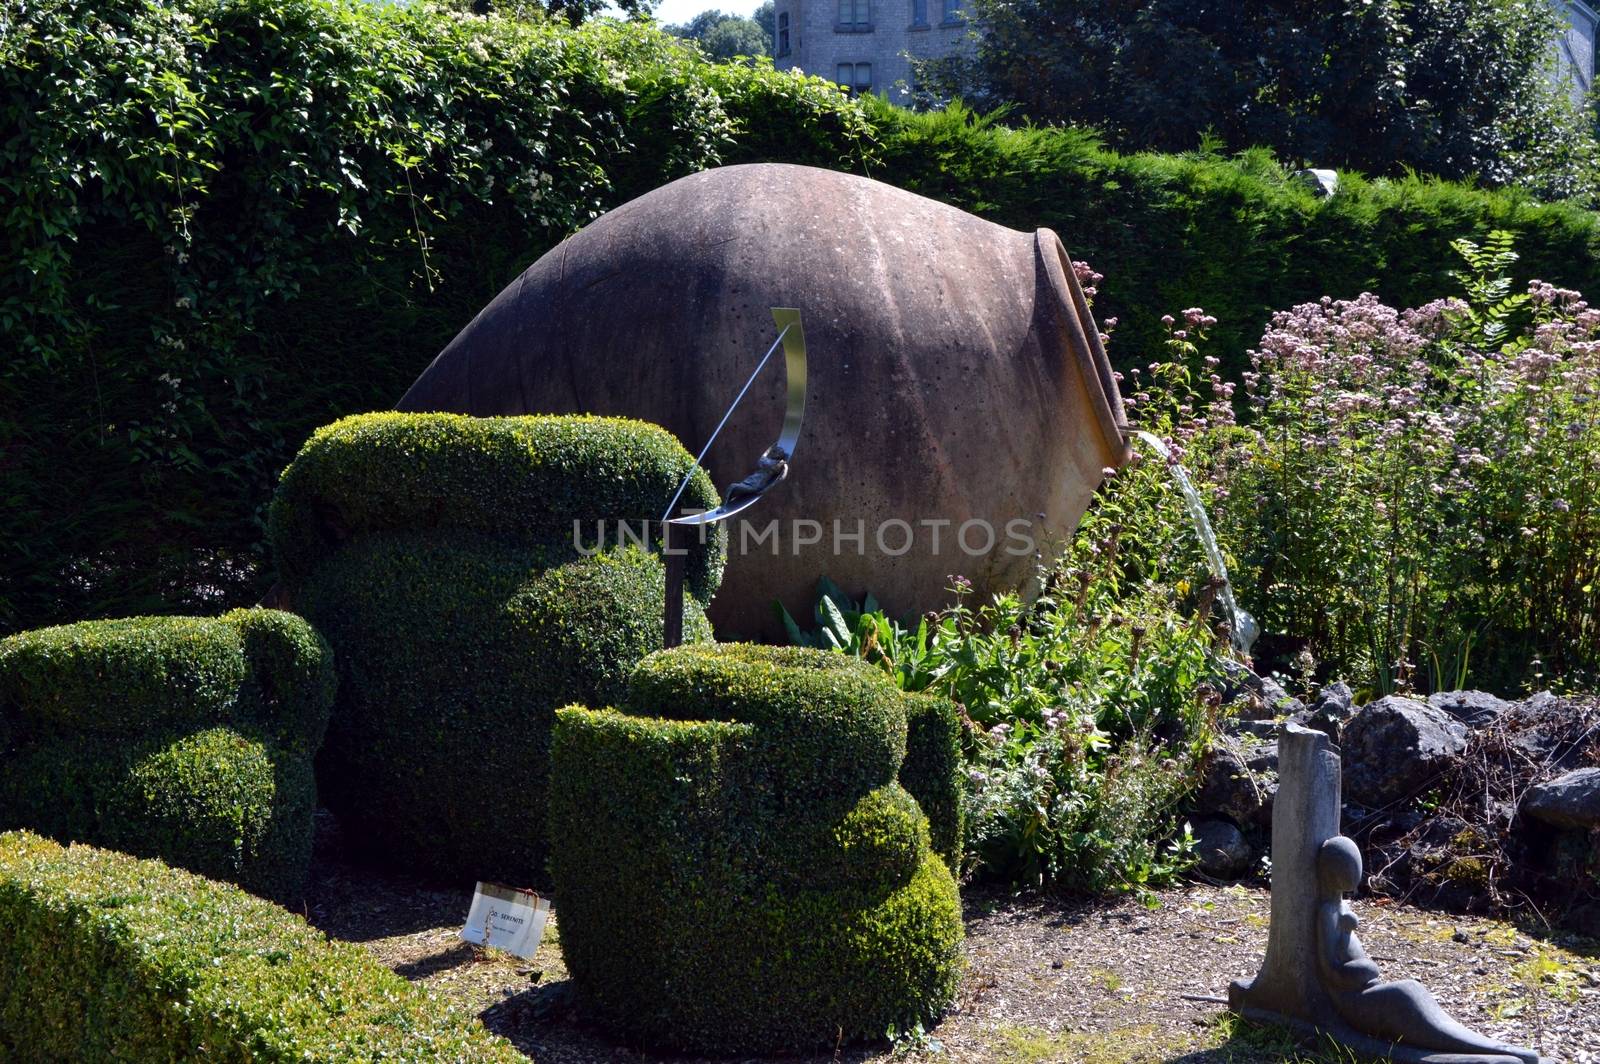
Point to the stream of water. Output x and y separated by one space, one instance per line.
1244 626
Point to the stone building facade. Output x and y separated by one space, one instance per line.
864 44
1575 49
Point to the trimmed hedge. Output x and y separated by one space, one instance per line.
737 867
1236 235
122 677
106 957
219 778
436 553
542 483
933 772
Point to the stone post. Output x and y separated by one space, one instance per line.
1305 814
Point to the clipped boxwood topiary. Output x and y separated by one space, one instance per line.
932 771
218 777
456 565
738 869
106 957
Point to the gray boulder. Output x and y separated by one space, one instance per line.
1257 697
1239 783
1550 732
1475 709
1569 801
1222 849
1334 707
1394 746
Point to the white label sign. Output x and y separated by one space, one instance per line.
506 918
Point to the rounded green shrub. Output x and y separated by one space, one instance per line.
105 957
933 769
218 781
121 677
454 564
537 482
290 679
738 869
221 805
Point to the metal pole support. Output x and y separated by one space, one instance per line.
674 560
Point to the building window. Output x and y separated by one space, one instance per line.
855 15
952 11
783 33
856 77
919 12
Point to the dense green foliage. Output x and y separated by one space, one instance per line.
1234 234
739 870
1453 88
1088 709
227 224
104 957
548 485
441 557
184 738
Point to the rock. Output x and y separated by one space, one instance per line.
1257 697
1394 746
1263 730
1222 849
1549 731
1335 698
1323 183
1570 801
927 328
1334 707
1538 703
1239 782
1475 709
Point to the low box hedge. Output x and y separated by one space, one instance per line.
107 957
185 738
738 869
437 553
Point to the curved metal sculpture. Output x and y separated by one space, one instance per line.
771 468
956 376
773 465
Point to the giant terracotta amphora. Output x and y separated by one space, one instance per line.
961 411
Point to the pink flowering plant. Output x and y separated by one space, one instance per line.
1416 494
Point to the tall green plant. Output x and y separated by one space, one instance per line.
1449 87
1415 496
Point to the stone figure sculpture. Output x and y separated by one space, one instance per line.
1316 978
771 467
1403 1012
951 361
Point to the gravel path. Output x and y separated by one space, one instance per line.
1101 983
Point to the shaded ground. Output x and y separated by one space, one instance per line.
1102 983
